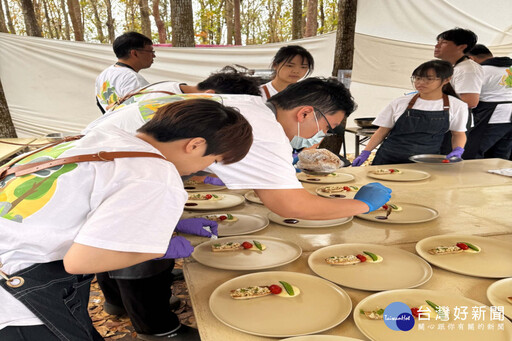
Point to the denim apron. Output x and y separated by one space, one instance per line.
415 132
57 298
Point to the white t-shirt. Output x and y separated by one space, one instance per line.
494 89
129 204
268 165
467 77
271 90
115 82
458 113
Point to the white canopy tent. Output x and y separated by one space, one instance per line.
49 84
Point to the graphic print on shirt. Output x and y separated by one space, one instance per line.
108 94
23 196
506 80
147 108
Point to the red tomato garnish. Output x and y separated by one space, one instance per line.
208 196
246 245
392 170
445 161
414 312
462 246
223 217
385 207
346 188
275 289
361 258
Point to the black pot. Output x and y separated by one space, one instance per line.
365 122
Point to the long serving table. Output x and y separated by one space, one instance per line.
469 201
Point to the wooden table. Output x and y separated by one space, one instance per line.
469 199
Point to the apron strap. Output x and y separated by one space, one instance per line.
265 90
446 102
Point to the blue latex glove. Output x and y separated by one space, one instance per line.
179 247
195 226
295 160
358 161
374 195
457 152
211 180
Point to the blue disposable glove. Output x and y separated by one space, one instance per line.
211 180
295 160
195 226
179 247
358 161
457 152
374 195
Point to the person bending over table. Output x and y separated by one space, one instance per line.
89 216
416 123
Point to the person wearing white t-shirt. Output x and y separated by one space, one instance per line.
134 52
492 136
290 64
416 123
84 217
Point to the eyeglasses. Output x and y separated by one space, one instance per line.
330 130
149 51
427 80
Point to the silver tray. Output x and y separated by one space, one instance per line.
433 158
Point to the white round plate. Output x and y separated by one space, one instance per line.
337 194
326 179
278 252
252 197
410 214
228 200
398 270
406 175
274 316
497 294
303 223
246 223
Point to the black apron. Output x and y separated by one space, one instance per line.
57 298
415 132
482 114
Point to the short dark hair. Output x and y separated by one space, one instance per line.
225 130
327 94
129 41
231 81
287 53
460 36
443 70
480 50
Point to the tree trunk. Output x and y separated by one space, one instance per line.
145 23
297 19
66 20
344 53
97 21
12 30
322 17
47 18
33 28
6 125
110 22
229 21
162 35
311 21
238 26
182 22
3 26
55 19
76 19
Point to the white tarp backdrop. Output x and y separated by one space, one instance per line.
49 84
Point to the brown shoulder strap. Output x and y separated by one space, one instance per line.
446 102
100 156
265 90
412 101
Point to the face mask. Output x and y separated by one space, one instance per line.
301 142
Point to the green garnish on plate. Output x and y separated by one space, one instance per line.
258 245
471 246
373 256
287 287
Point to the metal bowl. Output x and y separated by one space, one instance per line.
55 137
365 122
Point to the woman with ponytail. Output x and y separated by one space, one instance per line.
416 123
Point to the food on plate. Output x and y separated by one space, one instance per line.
416 312
373 314
205 196
192 182
221 218
382 171
338 189
263 290
318 160
458 248
394 207
235 246
445 161
509 299
354 259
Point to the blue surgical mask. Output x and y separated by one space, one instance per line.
298 142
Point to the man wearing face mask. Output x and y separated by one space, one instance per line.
298 115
